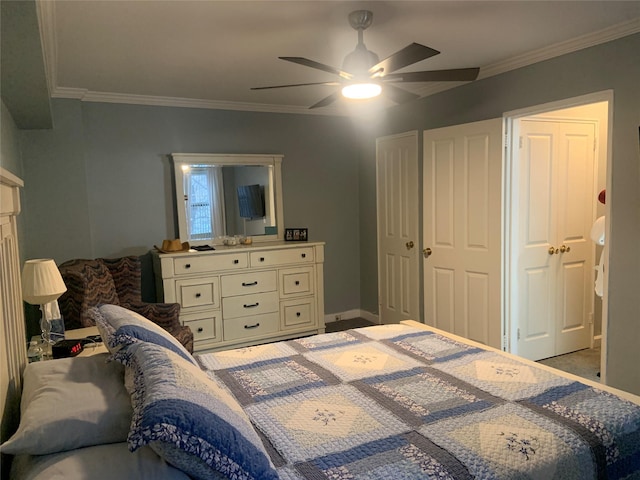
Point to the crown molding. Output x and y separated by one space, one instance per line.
609 34
109 97
47 26
568 46
47 15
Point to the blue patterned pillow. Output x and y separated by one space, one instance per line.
190 420
119 326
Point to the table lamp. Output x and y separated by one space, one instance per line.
42 285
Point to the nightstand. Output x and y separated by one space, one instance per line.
78 333
89 348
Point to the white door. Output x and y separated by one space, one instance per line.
397 203
462 180
552 250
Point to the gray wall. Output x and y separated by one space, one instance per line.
9 143
612 66
100 183
10 157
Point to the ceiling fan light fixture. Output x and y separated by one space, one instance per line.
361 91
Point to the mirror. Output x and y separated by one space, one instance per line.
223 195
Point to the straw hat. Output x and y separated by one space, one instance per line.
173 246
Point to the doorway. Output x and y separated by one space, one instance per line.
555 166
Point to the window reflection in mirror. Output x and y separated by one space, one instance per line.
227 195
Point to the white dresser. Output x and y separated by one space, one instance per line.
246 294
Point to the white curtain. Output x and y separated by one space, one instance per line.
205 202
218 219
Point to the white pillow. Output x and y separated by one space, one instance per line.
71 403
99 462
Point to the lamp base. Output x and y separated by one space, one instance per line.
45 327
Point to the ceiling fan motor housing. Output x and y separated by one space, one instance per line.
360 60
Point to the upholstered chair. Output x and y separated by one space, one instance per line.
115 281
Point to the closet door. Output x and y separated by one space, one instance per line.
397 207
553 250
462 216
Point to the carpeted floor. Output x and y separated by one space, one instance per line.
341 325
584 363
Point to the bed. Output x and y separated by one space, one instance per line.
398 401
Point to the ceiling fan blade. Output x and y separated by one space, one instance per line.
296 85
407 56
454 75
327 100
398 95
318 66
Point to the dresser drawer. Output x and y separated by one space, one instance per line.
281 257
254 304
245 283
247 327
205 326
298 313
296 281
198 292
201 264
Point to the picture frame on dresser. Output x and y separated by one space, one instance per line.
296 234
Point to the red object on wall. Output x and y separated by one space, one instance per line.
601 196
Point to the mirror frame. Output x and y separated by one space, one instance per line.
275 161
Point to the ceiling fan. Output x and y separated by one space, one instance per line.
364 76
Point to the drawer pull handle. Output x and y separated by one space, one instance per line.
262 259
297 314
304 255
297 282
251 284
198 295
188 265
200 330
236 261
251 305
252 326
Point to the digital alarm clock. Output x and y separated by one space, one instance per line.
66 348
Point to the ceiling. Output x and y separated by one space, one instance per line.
209 53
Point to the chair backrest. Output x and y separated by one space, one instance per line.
127 277
89 283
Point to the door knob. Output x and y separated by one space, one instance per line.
565 248
553 250
427 252
409 245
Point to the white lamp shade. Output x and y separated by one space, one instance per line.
41 281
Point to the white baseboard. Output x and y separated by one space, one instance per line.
355 313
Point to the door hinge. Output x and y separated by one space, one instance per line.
506 139
505 343
518 334
595 144
520 141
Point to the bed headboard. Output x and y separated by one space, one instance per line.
13 356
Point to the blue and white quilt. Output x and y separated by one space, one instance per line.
397 402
